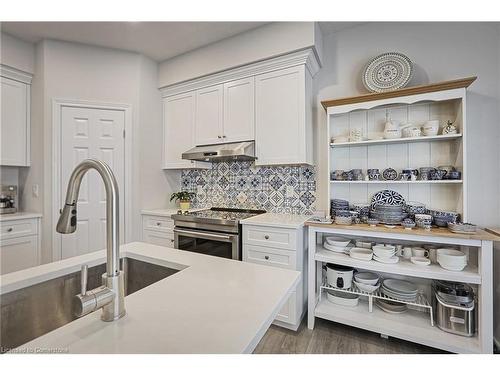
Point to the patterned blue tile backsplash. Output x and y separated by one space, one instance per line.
280 189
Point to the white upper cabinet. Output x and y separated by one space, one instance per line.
178 130
239 110
269 101
283 108
209 115
15 125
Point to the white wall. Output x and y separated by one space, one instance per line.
81 72
440 51
17 53
261 43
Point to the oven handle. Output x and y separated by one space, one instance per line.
205 235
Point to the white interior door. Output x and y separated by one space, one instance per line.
98 134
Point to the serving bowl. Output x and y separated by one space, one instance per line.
451 259
337 241
368 278
368 288
342 298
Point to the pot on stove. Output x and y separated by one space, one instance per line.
339 276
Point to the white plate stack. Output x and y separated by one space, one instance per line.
361 253
336 244
385 254
451 259
399 289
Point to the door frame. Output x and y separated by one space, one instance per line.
57 106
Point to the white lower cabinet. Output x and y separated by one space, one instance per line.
158 230
19 245
283 248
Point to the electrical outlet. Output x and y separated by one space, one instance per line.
35 190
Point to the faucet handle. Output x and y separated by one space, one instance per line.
84 275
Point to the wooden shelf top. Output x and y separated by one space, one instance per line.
435 231
413 90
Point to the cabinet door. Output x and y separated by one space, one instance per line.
209 115
239 110
158 238
178 129
18 253
280 117
15 123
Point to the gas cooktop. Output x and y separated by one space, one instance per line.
217 215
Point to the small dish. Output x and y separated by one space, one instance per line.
372 222
420 261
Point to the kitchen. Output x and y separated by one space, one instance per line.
262 158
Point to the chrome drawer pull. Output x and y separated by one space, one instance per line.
158 224
9 230
266 237
266 257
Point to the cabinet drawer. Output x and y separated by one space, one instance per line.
158 238
273 237
288 313
157 223
18 253
269 256
18 228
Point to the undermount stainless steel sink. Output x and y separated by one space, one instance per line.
33 311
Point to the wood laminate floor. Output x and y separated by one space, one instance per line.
334 338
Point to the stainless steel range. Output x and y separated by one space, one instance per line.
215 231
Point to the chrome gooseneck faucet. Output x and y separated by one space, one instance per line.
109 296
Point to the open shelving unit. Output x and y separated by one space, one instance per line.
441 101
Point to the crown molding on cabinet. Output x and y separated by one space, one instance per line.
305 57
15 74
412 90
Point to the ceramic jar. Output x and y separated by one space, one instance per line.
430 128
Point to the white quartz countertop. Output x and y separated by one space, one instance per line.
277 220
19 216
212 305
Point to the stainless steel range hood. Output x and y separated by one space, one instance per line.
222 152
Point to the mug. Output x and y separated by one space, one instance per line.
437 174
425 173
373 174
431 127
420 252
407 252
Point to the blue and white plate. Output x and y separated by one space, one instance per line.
387 197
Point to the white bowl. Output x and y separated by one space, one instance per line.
420 261
452 267
368 278
360 253
342 298
368 288
451 257
365 245
337 241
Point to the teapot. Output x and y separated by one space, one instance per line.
391 130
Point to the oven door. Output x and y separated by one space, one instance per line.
224 245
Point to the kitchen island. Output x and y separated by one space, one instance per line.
212 305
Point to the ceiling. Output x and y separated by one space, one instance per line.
333 27
158 40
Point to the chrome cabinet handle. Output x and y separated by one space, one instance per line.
266 257
223 136
9 230
266 237
219 137
158 223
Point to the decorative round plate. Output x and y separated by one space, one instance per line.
389 174
387 72
387 197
